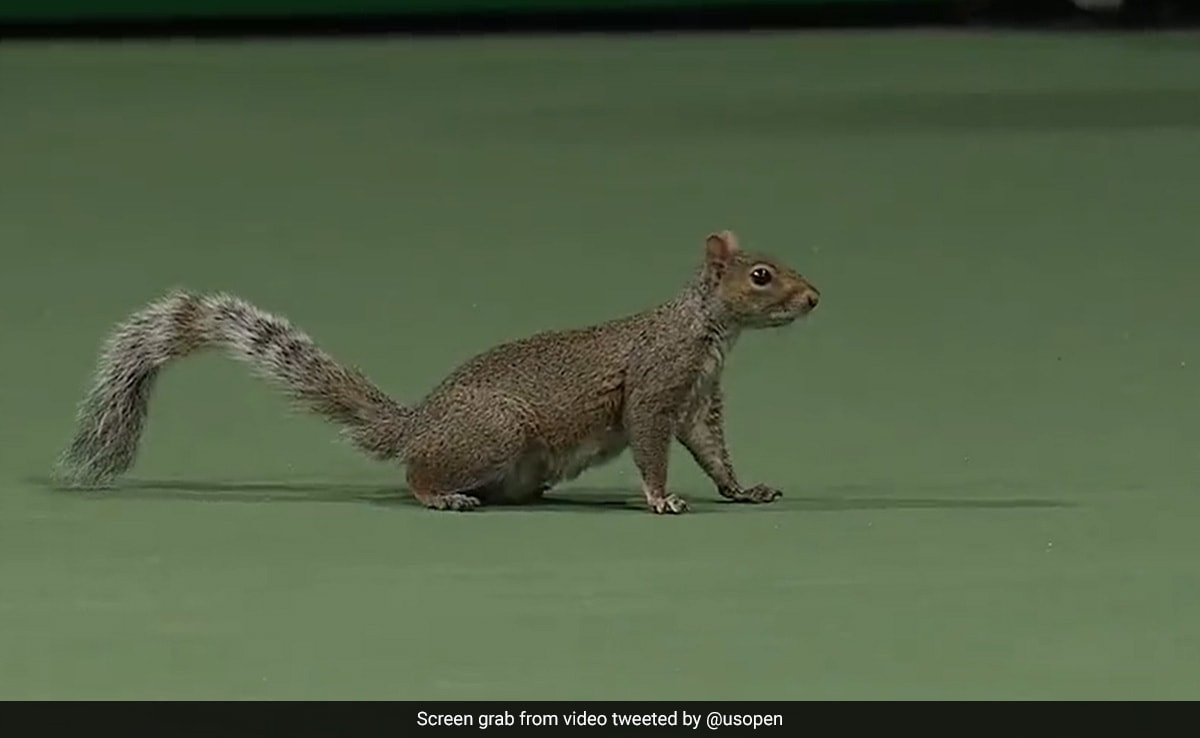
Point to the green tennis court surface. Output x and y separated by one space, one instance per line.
986 434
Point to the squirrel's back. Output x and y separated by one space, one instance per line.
568 385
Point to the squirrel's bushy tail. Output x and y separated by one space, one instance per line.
113 413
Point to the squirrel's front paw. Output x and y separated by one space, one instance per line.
759 493
668 505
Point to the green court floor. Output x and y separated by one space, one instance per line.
987 434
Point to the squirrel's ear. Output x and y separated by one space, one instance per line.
720 247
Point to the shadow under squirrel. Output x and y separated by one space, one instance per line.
502 428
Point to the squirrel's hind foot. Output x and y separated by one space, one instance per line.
453 502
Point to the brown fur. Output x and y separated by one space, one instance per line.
505 426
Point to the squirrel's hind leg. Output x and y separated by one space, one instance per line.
472 449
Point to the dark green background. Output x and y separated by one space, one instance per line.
986 434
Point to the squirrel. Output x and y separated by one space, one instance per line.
504 427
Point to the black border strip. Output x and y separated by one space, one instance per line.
733 17
1040 14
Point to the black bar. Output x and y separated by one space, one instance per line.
532 718
734 17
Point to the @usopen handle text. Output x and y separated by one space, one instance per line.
712 720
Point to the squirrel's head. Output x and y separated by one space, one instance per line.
755 290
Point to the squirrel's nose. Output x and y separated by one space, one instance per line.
810 298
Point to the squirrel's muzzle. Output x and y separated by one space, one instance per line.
806 301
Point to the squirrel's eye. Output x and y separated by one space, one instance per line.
760 277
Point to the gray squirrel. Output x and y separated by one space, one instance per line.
504 427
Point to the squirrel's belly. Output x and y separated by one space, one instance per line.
532 475
569 463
